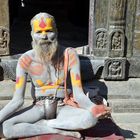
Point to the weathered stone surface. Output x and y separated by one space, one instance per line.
123 96
101 13
115 69
4 41
4 27
134 67
97 20
101 43
137 29
4 13
116 14
7 88
130 17
118 89
116 27
123 89
124 105
116 43
26 103
9 69
124 18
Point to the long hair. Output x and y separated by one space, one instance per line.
58 58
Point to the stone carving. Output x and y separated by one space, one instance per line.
101 39
114 69
116 43
100 49
4 41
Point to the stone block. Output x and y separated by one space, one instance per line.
114 69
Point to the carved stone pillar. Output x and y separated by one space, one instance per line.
115 66
136 43
98 43
116 27
4 27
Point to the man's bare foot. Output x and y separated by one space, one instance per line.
101 111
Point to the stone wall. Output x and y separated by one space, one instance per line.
4 27
137 30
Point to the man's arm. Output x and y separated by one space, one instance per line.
78 93
18 97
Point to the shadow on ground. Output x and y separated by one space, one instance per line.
128 133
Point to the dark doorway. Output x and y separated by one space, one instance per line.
71 19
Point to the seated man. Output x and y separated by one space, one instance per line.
45 65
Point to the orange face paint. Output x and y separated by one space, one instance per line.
43 24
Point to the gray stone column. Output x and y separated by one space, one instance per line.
116 28
98 28
115 64
4 27
136 43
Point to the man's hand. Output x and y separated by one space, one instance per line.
101 111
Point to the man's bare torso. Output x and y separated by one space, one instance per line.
44 76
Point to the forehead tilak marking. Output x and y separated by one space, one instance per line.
42 24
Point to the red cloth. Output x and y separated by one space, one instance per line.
61 137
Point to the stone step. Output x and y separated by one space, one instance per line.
117 101
124 105
110 89
26 103
7 88
128 106
129 89
127 118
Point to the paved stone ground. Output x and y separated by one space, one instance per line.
125 105
129 124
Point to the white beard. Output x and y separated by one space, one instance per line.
44 49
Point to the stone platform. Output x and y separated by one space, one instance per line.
123 98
